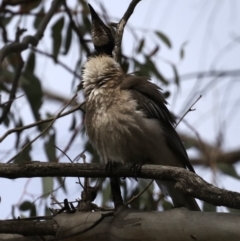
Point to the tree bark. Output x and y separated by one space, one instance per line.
176 224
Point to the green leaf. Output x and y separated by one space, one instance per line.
95 156
176 76
47 212
57 36
33 91
140 46
228 170
18 133
50 148
6 20
30 65
25 156
68 39
47 186
73 124
182 51
61 181
33 212
164 38
232 210
6 120
38 19
152 67
125 65
207 207
166 205
5 76
31 85
106 195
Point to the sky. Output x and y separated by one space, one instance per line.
209 30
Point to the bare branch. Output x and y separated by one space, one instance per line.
19 129
140 193
30 143
189 110
186 181
57 61
208 74
120 29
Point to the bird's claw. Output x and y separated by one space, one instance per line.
136 168
110 166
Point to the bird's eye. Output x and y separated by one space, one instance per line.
101 82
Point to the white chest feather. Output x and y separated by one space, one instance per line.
110 122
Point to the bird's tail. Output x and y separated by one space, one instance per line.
179 199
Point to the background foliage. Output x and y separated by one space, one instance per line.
39 92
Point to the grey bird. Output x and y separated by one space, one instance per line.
127 120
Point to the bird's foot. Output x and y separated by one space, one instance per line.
110 166
136 168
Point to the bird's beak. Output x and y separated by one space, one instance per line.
102 36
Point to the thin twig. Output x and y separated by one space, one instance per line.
11 100
50 124
64 153
76 29
56 61
209 74
189 110
103 215
139 194
120 29
18 129
203 146
69 144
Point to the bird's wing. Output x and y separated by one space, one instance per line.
151 100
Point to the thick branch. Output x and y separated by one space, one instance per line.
27 227
177 224
186 181
120 29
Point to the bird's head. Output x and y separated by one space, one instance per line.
100 72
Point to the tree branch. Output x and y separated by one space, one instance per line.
19 129
186 181
56 61
208 74
29 39
45 129
27 227
177 224
120 29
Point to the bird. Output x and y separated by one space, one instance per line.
127 119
